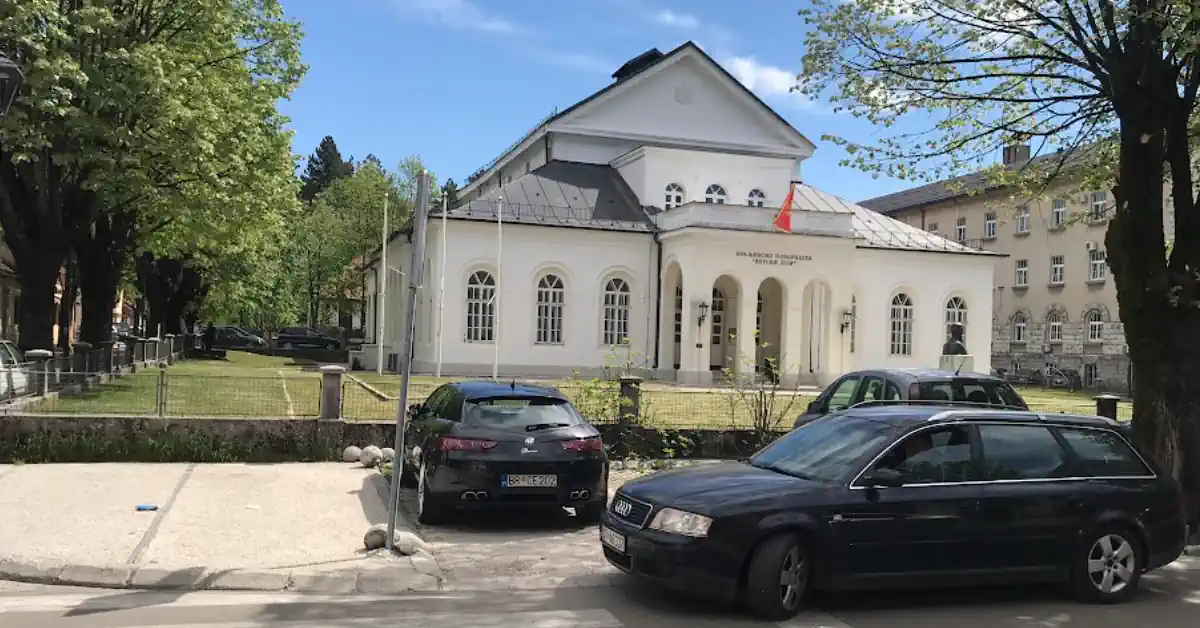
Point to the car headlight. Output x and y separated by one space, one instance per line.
681 522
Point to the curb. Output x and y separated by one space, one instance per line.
404 574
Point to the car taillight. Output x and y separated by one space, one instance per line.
914 391
583 444
446 443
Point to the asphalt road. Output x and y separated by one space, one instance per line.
1171 598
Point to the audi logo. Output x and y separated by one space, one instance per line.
622 508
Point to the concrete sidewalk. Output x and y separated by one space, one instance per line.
292 527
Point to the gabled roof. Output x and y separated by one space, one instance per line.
563 194
634 68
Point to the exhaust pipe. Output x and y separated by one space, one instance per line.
574 495
481 496
468 496
584 494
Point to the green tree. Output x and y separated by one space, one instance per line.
450 193
132 116
324 166
1112 85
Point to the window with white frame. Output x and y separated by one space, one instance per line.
1098 206
1058 216
715 194
1021 280
1023 219
956 312
678 314
1091 374
989 225
901 319
1058 269
718 316
674 196
1054 326
1019 326
932 228
1097 265
551 297
853 322
960 230
481 307
616 311
1095 326
756 198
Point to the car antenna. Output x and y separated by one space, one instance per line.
961 363
513 385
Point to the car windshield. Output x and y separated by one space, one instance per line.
988 392
524 413
828 449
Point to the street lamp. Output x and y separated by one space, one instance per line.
11 80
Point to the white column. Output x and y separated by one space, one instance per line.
695 346
793 362
747 341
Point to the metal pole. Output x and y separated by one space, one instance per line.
380 315
496 293
441 291
415 277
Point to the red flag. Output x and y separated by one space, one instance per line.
783 220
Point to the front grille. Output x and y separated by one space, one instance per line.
630 510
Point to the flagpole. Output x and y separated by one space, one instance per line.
441 290
496 293
380 316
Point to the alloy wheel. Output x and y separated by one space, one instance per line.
1111 563
793 577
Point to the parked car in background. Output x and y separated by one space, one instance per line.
491 444
234 337
16 373
304 337
906 496
934 385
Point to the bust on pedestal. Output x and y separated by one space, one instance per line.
954 352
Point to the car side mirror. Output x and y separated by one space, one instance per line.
883 477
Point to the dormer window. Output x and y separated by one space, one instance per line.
756 198
674 196
715 194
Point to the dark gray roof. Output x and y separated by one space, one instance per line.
961 186
563 194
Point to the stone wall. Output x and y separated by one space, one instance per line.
1074 351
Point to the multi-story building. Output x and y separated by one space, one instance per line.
1055 301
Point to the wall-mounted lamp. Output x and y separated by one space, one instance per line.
703 309
847 318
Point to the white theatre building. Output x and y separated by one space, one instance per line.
639 222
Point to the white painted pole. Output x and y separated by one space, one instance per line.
441 291
416 275
499 287
381 314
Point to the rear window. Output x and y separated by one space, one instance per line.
1104 454
972 390
520 412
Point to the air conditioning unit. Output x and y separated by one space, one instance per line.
1091 246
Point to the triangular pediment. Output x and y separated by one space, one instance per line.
685 98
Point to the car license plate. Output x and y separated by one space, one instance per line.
612 538
530 481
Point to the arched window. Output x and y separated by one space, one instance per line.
674 196
758 313
1095 326
1019 326
756 198
901 317
715 194
678 314
616 311
481 307
718 316
956 312
1054 326
551 296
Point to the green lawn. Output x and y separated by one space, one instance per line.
250 385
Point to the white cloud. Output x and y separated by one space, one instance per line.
684 21
768 81
459 14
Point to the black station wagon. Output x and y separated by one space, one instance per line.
905 496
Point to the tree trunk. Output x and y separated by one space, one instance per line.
103 255
35 317
66 304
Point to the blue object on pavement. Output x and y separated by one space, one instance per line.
146 507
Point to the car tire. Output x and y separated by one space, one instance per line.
772 562
430 509
1107 566
591 513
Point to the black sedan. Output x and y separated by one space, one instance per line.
487 444
906 496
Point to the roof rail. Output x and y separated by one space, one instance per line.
1016 413
936 402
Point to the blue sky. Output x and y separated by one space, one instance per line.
457 81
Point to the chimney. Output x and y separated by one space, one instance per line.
637 64
1016 154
